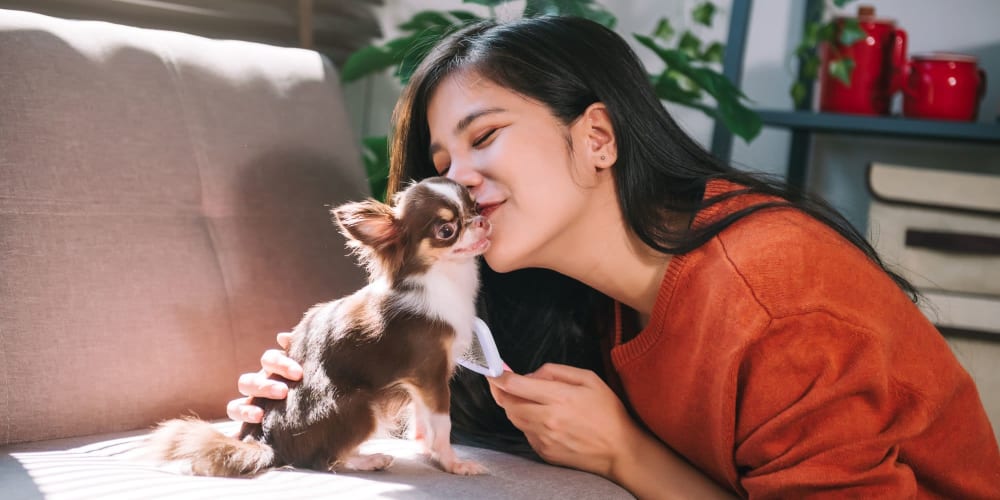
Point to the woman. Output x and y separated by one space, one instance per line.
686 328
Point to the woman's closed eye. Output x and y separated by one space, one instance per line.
481 141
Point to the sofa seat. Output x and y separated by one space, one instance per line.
112 466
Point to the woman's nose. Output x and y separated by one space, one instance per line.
465 174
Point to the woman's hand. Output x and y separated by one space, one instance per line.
258 384
569 415
572 418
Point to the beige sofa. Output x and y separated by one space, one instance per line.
163 213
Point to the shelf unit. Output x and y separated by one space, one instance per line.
803 123
881 126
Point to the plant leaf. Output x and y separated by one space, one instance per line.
850 32
406 51
742 121
826 32
669 56
664 31
804 50
581 8
668 87
431 18
738 118
464 17
811 37
841 3
841 69
602 17
798 92
367 60
690 44
418 46
810 67
597 13
704 13
425 19
375 154
714 52
488 3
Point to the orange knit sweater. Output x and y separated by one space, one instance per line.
783 363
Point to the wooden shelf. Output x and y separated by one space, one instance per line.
884 126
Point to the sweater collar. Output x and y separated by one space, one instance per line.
647 336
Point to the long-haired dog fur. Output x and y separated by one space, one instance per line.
366 355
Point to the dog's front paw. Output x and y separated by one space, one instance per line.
376 461
465 468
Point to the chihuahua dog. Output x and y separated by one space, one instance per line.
369 354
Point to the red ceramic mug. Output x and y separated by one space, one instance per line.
943 86
879 59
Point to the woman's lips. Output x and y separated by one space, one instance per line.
487 208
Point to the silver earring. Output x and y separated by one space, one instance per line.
603 157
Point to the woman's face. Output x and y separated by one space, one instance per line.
516 158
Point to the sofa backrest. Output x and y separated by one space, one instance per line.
164 212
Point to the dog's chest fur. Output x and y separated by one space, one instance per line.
447 292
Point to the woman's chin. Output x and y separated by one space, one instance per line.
498 262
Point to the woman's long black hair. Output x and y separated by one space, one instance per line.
569 63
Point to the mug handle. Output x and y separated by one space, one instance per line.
905 78
982 83
900 65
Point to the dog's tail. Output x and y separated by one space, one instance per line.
210 452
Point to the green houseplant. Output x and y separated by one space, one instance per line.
690 76
823 29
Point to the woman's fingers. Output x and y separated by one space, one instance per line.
285 340
241 410
565 373
259 385
505 399
533 389
277 362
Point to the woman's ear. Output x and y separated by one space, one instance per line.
599 136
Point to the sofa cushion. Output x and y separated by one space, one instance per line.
164 208
112 467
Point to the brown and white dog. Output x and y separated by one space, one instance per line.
366 354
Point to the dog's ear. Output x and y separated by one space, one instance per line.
369 223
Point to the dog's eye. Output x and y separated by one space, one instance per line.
446 231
